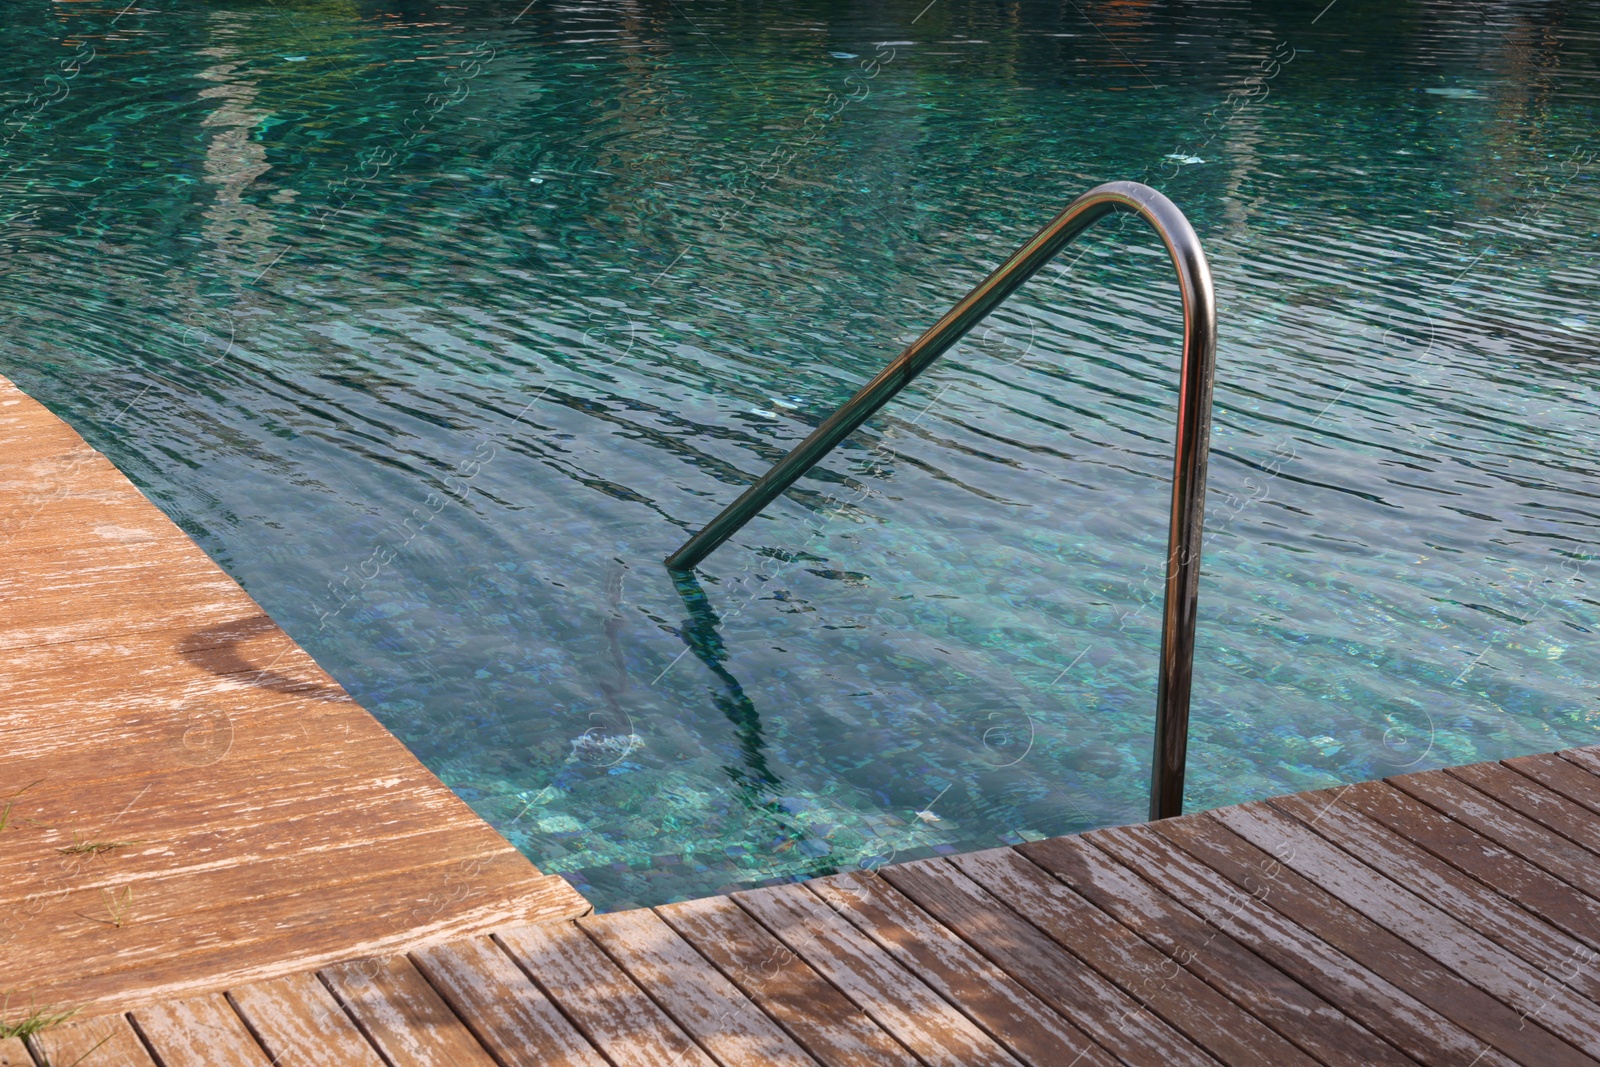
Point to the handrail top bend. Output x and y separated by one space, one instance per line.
1199 306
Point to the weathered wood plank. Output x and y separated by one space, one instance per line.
1107 1014
1442 936
602 1001
466 882
167 832
894 998
1544 806
1561 958
13 1054
1209 1019
1364 994
1506 827
198 1032
67 599
1010 1014
162 914
1273 996
1568 777
402 1015
1318 911
511 1016
285 933
1587 758
73 708
1493 866
29 428
820 1018
299 1024
104 1041
713 1011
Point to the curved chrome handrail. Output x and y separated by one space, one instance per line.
1189 462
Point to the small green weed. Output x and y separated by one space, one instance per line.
11 800
34 1021
94 848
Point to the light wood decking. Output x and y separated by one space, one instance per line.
261 821
1445 918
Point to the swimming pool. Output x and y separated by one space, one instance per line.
440 325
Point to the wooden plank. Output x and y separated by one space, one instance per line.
1273 996
1500 869
1318 911
402 1015
58 600
72 705
198 1032
299 1024
510 1016
1570 776
1509 829
162 912
819 1017
160 893
895 999
289 933
1017 1019
104 1041
1441 935
1562 959
90 501
711 1009
603 1002
1588 758
1545 806
247 650
13 1054
29 428
128 680
1120 956
166 834
1366 995
1113 1019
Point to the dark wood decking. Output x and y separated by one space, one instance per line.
186 799
1444 918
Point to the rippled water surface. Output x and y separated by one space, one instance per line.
440 325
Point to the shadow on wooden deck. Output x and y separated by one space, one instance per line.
190 801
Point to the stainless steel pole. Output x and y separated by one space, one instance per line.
1189 462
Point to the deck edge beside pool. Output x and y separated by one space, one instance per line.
188 801
1441 918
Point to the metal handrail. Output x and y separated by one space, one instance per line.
1189 463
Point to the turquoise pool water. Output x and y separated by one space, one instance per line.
440 325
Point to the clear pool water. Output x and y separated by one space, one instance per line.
439 325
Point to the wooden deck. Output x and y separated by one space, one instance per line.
187 801
1445 918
